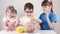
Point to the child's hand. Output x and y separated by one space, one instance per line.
30 28
33 19
36 19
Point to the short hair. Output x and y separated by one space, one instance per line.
28 5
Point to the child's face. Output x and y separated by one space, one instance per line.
46 9
10 13
28 11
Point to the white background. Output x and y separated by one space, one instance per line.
19 6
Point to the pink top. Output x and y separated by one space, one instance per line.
10 22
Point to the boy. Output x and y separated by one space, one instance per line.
27 20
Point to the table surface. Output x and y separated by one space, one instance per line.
35 32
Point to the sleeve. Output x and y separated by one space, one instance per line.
54 18
4 19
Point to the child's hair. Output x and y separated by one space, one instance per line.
28 5
12 9
47 3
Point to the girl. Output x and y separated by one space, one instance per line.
10 19
27 20
48 17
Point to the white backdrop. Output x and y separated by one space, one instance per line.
19 6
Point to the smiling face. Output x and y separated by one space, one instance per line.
28 11
47 6
46 9
10 14
11 11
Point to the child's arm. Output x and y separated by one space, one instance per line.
37 20
17 23
51 25
5 25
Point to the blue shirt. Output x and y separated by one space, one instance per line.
44 24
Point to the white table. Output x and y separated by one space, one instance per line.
35 32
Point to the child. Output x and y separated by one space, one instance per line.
27 20
48 17
10 19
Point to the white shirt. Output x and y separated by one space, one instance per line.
24 21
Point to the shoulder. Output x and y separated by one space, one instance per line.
53 17
5 18
16 18
52 14
42 15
